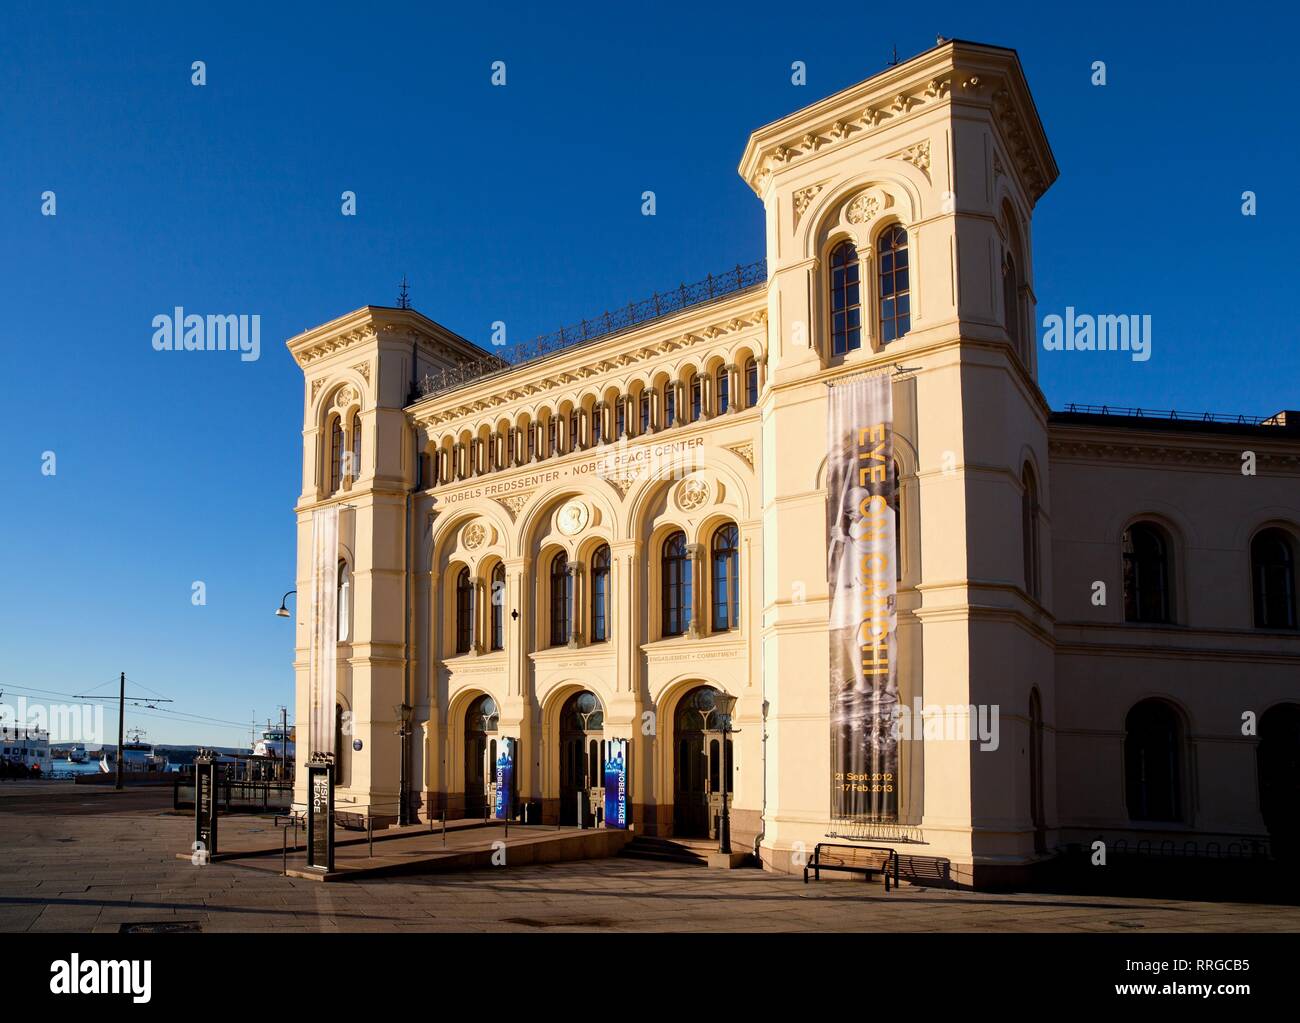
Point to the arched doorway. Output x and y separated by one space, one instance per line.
480 755
582 758
1279 778
698 768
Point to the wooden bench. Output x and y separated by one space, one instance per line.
867 860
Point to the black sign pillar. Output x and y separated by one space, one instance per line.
320 813
205 805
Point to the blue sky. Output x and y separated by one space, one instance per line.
519 204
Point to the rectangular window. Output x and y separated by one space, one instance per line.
645 413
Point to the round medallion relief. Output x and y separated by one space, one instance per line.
573 518
692 494
474 535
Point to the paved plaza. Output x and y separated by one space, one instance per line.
83 859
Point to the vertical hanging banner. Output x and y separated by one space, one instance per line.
322 654
505 774
861 571
616 783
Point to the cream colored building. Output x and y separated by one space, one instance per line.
516 536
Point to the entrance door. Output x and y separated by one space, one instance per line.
700 768
582 759
480 756
1279 778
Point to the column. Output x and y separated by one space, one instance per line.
696 553
575 622
735 387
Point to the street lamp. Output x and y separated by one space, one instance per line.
282 611
723 705
402 712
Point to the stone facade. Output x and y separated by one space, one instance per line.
710 422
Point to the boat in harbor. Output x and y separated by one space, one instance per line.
138 756
25 747
77 754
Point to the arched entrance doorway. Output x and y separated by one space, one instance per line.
699 769
582 758
1279 778
480 755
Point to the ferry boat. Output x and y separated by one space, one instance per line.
29 747
137 756
77 754
275 743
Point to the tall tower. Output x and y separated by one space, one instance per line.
933 165
359 453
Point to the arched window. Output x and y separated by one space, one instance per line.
600 594
532 441
697 397
552 437
1146 573
726 578
895 291
620 417
645 412
1011 302
846 299
751 382
464 612
1029 532
676 576
356 447
342 754
344 602
336 453
1153 750
670 404
1272 568
722 380
561 595
597 422
498 606
574 437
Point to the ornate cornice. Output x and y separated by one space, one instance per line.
376 323
1153 453
506 390
967 73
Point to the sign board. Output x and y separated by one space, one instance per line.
320 816
205 807
616 765
505 778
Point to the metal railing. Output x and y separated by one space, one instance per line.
633 314
1190 417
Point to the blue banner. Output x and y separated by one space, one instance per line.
616 783
505 768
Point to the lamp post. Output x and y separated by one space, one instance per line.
402 711
282 611
723 705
